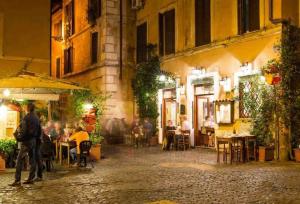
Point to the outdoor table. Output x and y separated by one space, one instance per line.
245 139
64 144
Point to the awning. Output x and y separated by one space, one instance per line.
32 86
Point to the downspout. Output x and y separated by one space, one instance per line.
121 41
50 50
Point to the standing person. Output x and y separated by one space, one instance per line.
28 133
148 130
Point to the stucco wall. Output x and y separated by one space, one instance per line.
24 35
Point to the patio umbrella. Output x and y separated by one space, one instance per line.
32 86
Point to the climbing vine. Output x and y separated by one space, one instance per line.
290 74
147 83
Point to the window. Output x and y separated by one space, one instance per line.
94 48
70 19
94 10
141 48
58 67
68 60
248 16
95 7
167 32
202 22
58 29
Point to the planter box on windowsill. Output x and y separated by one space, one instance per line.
266 153
95 152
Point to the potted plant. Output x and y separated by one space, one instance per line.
7 146
95 151
297 154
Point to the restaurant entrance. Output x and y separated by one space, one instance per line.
204 116
169 108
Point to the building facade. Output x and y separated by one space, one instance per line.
212 46
22 25
93 44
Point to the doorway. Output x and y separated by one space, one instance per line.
204 119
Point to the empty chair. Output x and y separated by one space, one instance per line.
85 147
47 154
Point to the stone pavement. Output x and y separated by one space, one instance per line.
149 175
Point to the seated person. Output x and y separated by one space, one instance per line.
79 136
170 135
185 124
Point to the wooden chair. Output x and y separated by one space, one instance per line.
237 150
250 149
184 140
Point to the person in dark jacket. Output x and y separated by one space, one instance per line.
29 132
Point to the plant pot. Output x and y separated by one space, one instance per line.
265 153
95 152
297 154
154 141
2 163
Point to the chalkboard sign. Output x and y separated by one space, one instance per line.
182 109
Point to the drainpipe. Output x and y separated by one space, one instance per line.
50 50
121 40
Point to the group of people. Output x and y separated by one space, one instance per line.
142 131
31 137
170 136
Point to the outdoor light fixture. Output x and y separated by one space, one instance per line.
226 83
182 89
198 71
162 78
246 67
88 106
3 112
6 92
263 79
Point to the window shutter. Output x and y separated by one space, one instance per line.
72 16
170 32
57 67
71 58
241 19
254 15
202 22
99 8
161 34
141 52
94 48
66 61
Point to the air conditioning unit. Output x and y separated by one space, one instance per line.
137 4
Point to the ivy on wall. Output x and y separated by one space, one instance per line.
290 89
146 85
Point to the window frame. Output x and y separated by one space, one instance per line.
144 56
163 45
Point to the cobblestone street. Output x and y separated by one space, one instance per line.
128 175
